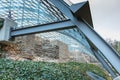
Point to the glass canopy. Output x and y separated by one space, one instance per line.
30 12
27 13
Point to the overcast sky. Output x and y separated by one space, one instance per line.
106 17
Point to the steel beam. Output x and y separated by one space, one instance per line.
97 40
104 63
100 57
94 76
66 24
108 52
71 36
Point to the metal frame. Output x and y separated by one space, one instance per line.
77 35
110 54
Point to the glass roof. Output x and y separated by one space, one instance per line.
30 12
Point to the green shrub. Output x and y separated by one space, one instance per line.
29 70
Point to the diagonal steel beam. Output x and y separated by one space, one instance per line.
94 37
66 24
104 63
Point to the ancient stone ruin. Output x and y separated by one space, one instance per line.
32 47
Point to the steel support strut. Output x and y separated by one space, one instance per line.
104 63
66 24
108 52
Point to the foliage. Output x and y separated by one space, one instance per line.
29 70
115 44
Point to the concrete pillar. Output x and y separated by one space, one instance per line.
5 30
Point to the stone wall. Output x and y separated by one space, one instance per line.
32 44
63 49
26 43
8 48
47 50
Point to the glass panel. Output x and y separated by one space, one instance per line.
75 40
30 12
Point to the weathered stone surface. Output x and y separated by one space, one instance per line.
32 47
26 43
9 47
63 49
32 44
